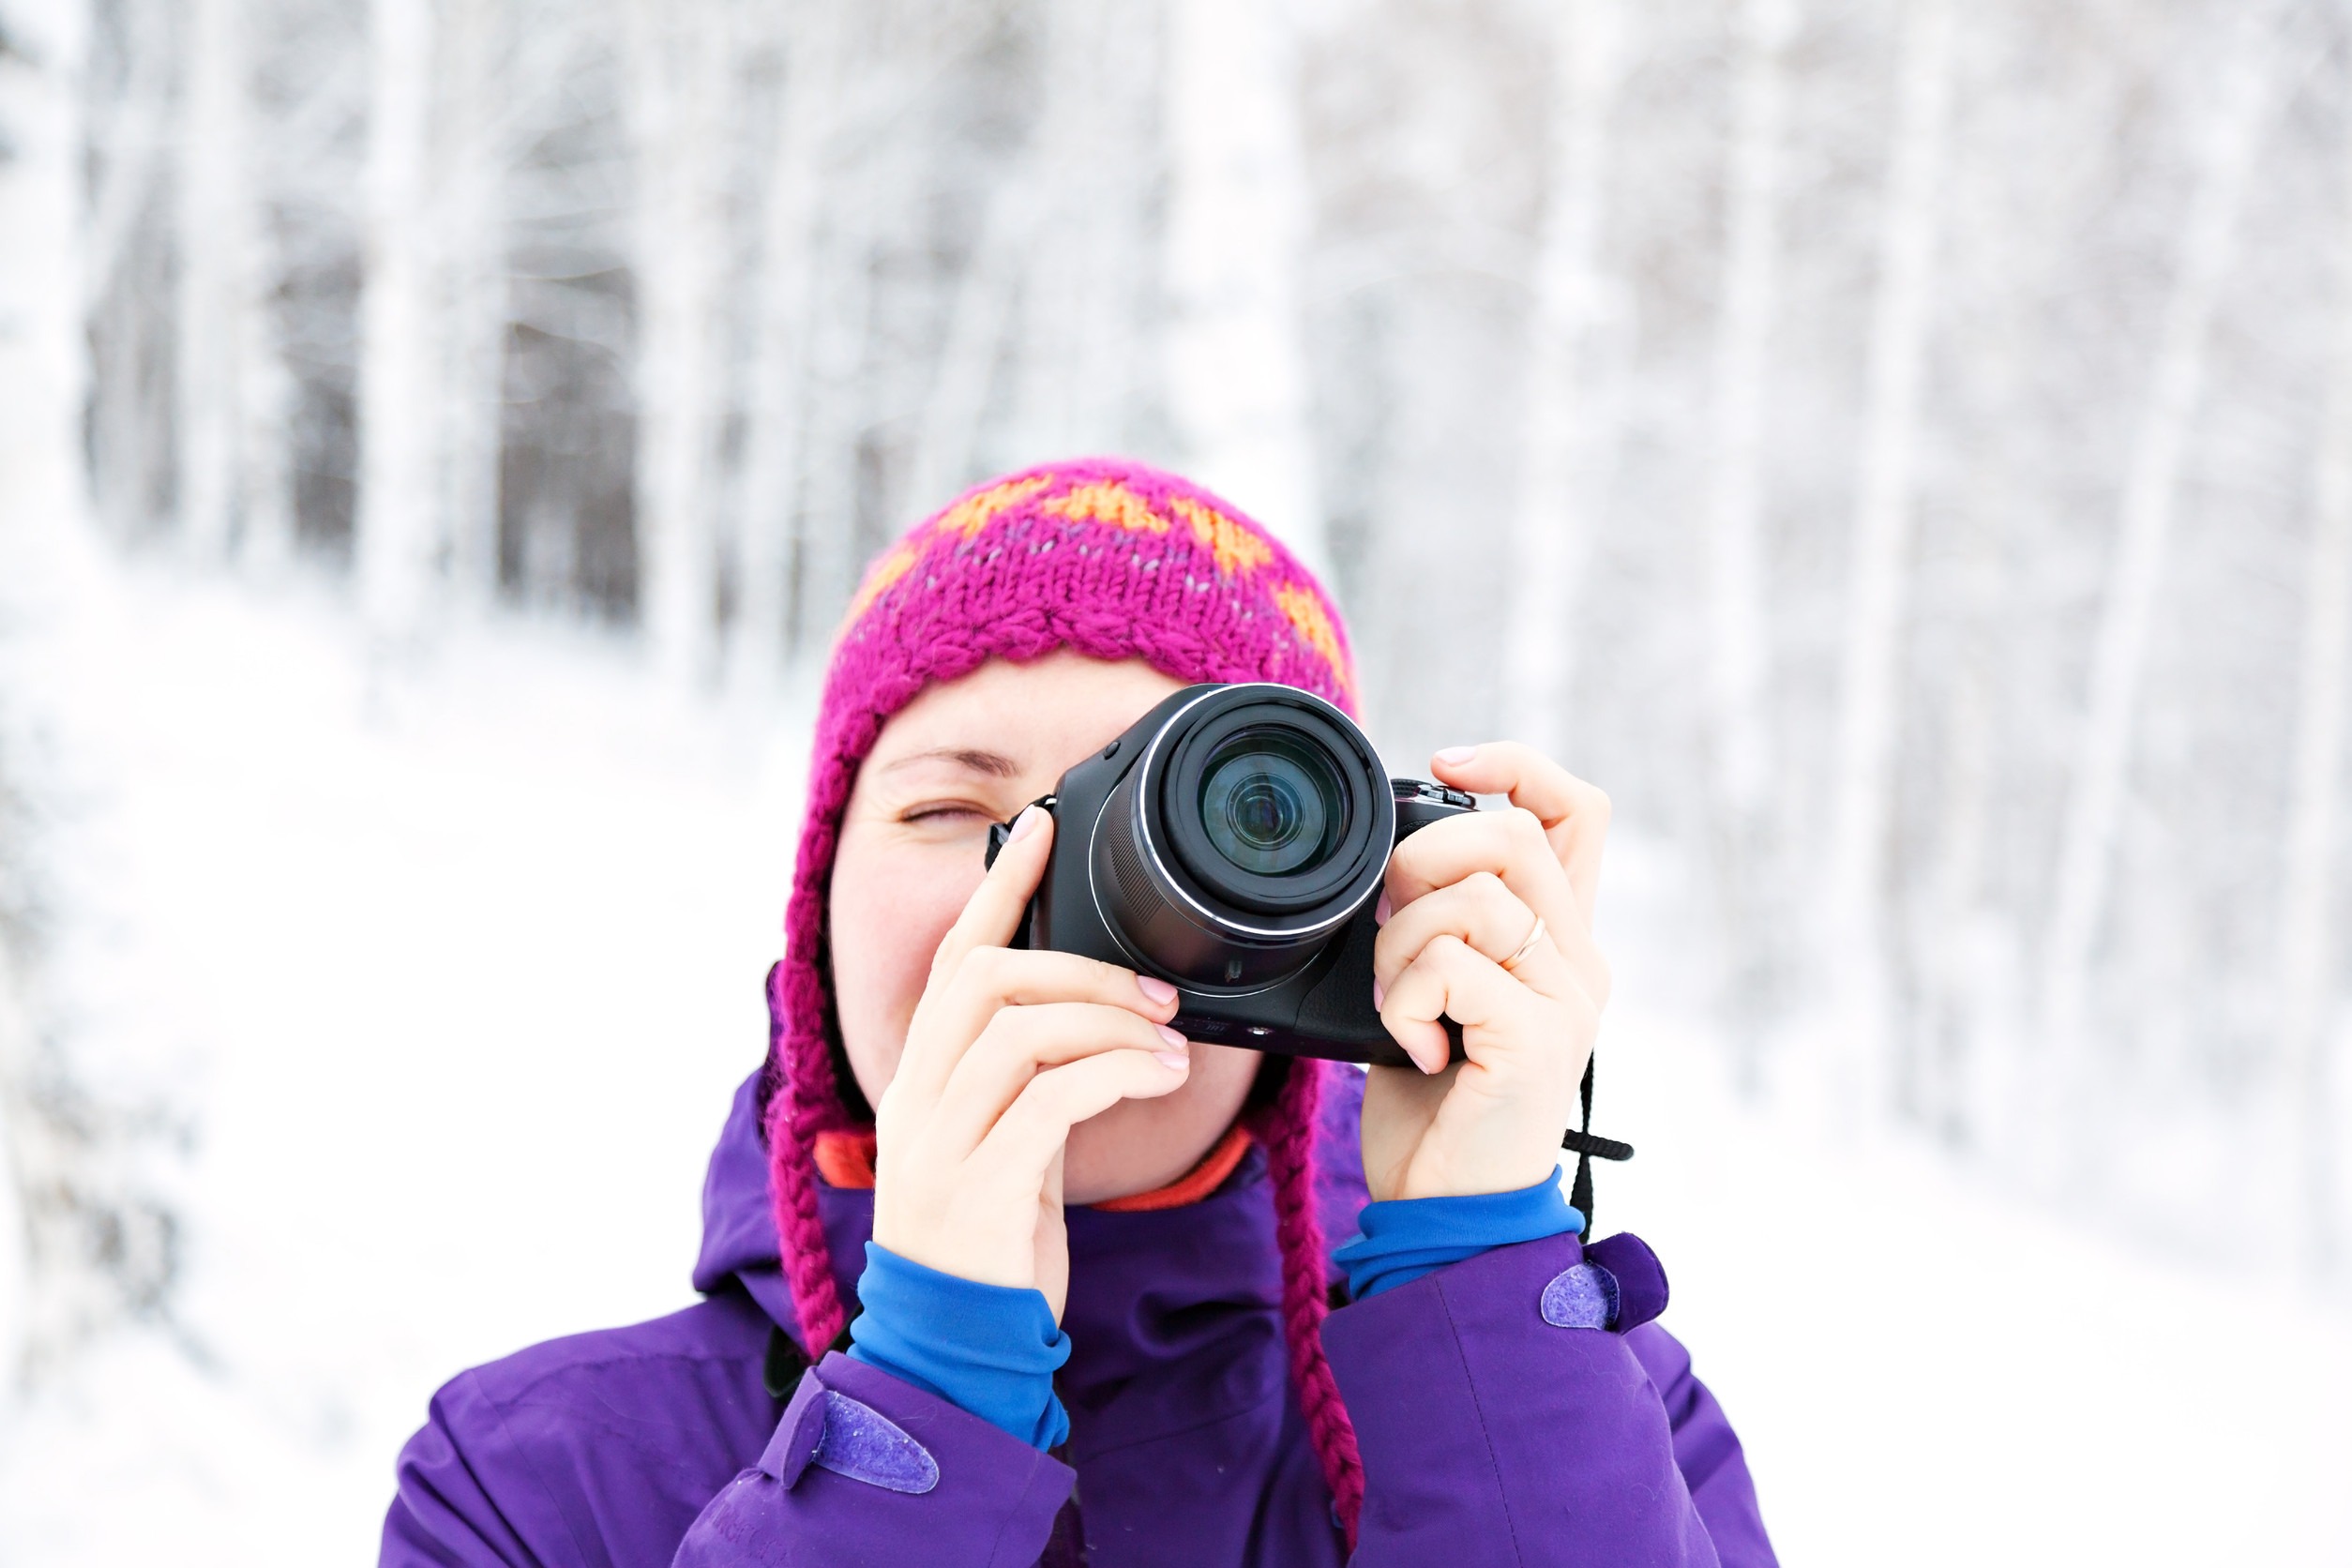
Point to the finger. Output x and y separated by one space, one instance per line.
1506 1026
1036 1126
993 913
1590 970
1051 1241
1483 912
959 1005
1424 992
1509 844
1021 1042
1575 814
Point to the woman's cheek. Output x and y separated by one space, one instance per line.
891 906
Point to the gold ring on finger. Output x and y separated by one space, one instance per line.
1534 936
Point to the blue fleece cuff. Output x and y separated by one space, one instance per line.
1399 1241
987 1349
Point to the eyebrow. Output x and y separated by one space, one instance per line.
971 759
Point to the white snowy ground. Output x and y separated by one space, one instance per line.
452 969
452 973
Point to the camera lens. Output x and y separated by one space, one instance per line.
1272 806
1254 823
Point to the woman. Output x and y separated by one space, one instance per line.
1060 1272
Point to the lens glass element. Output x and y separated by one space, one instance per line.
1274 803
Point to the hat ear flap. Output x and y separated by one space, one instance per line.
1288 1133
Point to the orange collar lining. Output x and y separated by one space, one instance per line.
845 1158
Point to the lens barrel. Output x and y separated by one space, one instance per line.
1258 820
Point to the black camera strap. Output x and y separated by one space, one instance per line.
1588 1148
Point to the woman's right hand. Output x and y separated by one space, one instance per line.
1008 1049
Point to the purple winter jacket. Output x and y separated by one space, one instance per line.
1489 1434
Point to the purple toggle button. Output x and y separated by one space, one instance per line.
1641 1281
1580 1297
864 1444
798 1433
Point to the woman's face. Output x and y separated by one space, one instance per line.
962 755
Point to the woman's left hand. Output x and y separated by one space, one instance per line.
1464 896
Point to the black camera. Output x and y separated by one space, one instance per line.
1232 842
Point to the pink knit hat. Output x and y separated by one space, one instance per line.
1117 561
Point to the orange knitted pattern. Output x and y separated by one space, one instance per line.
1128 500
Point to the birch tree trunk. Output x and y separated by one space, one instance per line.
42 497
678 80
947 446
1954 1086
1738 651
1862 778
17 1312
216 298
785 295
398 544
131 308
2310 956
1558 446
472 290
825 545
1238 206
2239 108
1079 361
264 411
1966 1079
262 483
126 303
82 1247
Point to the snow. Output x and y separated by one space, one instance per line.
1923 1372
451 965
451 969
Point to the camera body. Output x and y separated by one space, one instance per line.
1233 842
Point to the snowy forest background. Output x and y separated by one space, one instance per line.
1902 450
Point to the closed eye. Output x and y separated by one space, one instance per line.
943 813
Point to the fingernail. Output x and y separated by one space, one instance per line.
1173 1038
1024 825
1380 910
1379 993
1454 756
1174 1061
1156 991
